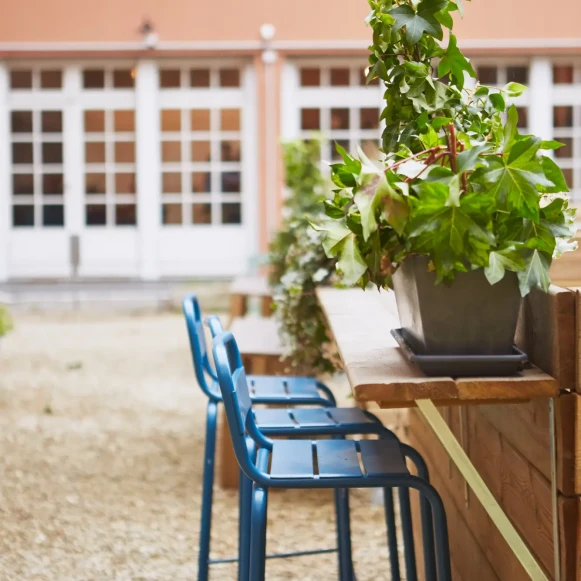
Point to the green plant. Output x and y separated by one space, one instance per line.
298 264
459 184
5 321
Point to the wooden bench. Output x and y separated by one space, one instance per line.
246 287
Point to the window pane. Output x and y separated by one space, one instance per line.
568 175
125 183
172 183
201 151
340 77
171 151
94 79
200 78
370 148
52 121
53 184
201 182
123 79
94 121
344 143
229 78
567 150
369 118
169 78
200 119
518 74
21 79
53 215
230 119
310 77
231 181
230 150
201 213
339 118
22 184
310 119
172 214
96 215
125 215
523 117
23 215
21 121
231 214
363 79
124 121
51 79
563 74
52 153
95 183
171 120
487 75
21 153
563 116
94 152
125 152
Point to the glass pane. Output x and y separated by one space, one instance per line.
171 151
339 118
563 74
125 152
94 152
231 181
363 77
310 77
171 214
369 118
53 215
344 143
125 183
230 150
370 148
94 121
22 184
200 77
340 77
487 75
169 78
172 183
94 79
96 215
23 215
567 150
523 116
201 182
230 119
123 79
21 121
229 78
231 214
20 79
95 183
52 121
124 121
200 119
563 116
201 213
125 215
568 175
310 119
518 74
21 153
51 79
201 151
171 120
53 184
52 153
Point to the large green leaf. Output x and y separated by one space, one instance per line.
535 273
351 264
501 261
336 231
416 23
455 63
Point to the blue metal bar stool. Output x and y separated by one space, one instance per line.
337 464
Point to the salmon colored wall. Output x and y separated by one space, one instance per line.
199 20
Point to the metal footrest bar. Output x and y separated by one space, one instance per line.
277 556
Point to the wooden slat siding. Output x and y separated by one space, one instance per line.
578 338
578 555
526 427
547 333
522 491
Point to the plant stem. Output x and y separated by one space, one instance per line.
431 150
453 147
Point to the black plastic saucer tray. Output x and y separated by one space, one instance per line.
463 365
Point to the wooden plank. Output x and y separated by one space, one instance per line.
238 306
566 271
547 333
257 335
378 371
578 555
251 286
227 465
578 339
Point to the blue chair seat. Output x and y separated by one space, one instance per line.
314 418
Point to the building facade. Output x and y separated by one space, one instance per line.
140 140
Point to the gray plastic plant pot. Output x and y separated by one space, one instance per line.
470 317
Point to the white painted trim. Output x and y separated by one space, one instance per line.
5 185
540 95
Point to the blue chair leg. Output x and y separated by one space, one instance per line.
207 491
328 394
244 523
408 534
258 534
346 571
391 533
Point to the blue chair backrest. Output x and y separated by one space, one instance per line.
195 325
215 325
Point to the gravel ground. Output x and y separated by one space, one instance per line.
101 439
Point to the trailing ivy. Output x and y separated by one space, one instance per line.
298 264
460 184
